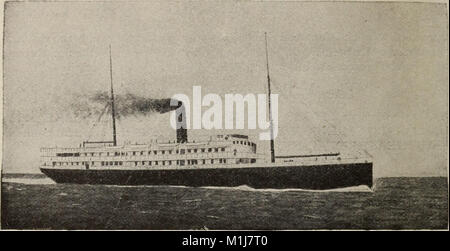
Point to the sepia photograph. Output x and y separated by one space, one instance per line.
224 115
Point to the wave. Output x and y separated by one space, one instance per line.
48 181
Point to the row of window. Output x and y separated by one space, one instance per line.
180 162
68 154
153 163
135 153
155 152
245 143
82 163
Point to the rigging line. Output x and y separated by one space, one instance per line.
103 112
103 132
334 127
340 134
317 116
315 135
97 121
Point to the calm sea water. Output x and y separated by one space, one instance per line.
34 202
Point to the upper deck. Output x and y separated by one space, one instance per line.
221 149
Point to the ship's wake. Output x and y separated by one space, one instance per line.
28 181
361 188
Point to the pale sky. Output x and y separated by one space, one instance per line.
351 77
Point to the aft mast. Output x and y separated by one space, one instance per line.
112 99
272 144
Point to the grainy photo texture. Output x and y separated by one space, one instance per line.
225 115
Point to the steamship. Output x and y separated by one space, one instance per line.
223 160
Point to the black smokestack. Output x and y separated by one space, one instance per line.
181 124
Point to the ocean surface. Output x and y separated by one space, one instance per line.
36 202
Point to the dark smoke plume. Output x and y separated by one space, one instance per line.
125 105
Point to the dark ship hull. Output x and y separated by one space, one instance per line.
306 177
